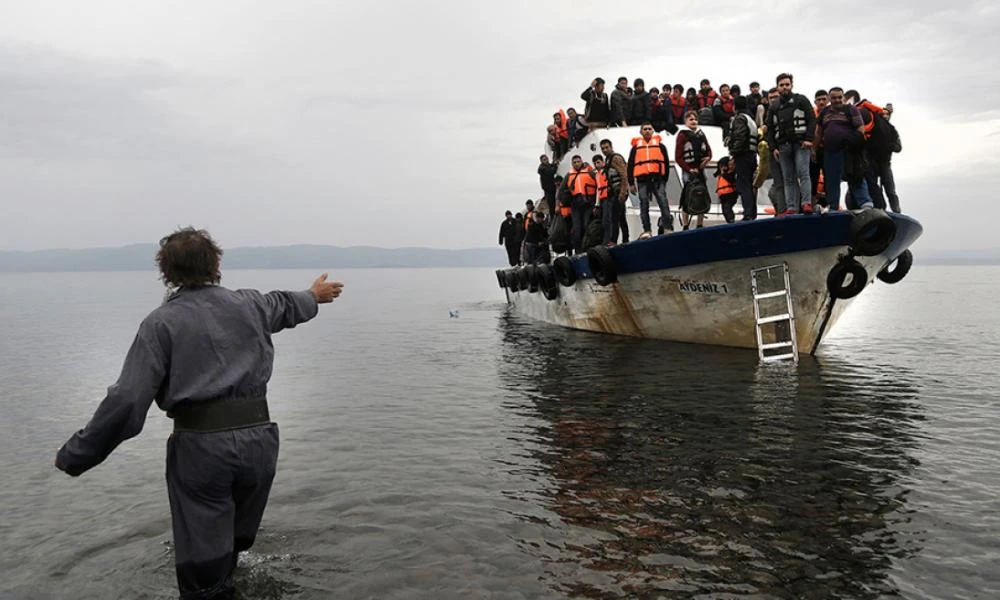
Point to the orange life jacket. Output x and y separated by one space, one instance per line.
724 186
602 186
561 125
821 186
528 219
649 157
582 182
565 211
872 109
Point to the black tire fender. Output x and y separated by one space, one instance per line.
501 279
523 279
836 279
532 278
547 282
902 263
872 231
510 276
563 269
602 265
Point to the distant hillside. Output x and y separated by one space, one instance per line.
989 256
139 257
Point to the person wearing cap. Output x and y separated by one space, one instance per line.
508 238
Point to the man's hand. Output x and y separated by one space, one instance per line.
325 291
776 154
633 189
807 144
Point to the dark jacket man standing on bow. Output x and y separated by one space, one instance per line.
509 238
205 356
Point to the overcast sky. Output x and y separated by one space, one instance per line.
395 124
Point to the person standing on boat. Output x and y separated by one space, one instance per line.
621 104
742 143
791 124
582 186
648 171
692 154
841 131
205 356
508 238
536 239
546 177
820 100
598 110
619 193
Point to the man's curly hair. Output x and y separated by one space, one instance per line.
189 258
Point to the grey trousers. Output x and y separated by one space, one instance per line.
218 485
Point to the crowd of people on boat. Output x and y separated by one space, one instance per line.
807 148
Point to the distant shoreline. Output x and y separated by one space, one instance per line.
139 257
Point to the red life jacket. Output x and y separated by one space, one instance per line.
649 157
677 104
706 99
729 106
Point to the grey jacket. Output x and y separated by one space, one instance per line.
202 344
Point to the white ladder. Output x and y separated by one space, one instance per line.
790 346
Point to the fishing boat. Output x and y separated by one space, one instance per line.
774 284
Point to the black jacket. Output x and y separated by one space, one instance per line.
546 176
598 106
790 119
508 235
621 107
642 109
536 233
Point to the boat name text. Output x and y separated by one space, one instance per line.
703 287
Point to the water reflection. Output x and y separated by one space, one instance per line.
681 470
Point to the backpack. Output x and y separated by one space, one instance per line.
559 234
697 200
706 116
884 138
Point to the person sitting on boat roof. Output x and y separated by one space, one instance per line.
582 185
552 142
621 105
690 103
615 167
597 113
560 120
692 154
725 187
575 126
647 175
707 96
546 177
724 108
791 124
642 105
742 143
509 238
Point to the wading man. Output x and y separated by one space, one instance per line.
205 356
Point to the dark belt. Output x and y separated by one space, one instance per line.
221 415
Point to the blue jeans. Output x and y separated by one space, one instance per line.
794 161
609 219
833 172
746 163
583 209
657 187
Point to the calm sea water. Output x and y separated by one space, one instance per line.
489 456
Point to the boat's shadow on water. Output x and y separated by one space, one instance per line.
671 470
